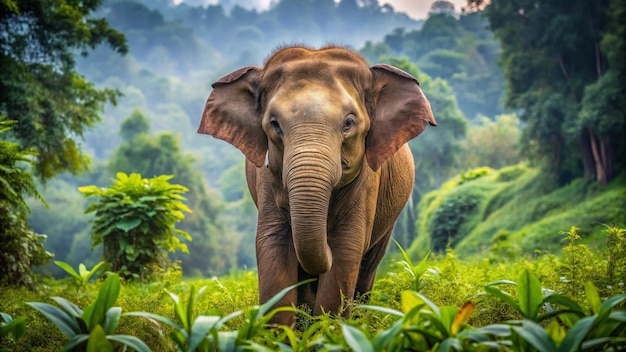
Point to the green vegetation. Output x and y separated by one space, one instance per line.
135 222
514 210
22 249
470 305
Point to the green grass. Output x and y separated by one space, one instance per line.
454 280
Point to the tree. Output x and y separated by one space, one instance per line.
135 222
52 103
20 247
562 80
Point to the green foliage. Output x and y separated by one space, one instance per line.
94 328
52 103
492 143
472 305
83 275
202 332
460 51
616 262
513 211
417 272
135 222
564 83
14 327
22 249
600 328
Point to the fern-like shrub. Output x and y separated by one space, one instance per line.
135 222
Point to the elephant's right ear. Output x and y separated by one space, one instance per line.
231 113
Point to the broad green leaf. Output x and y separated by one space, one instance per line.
446 317
130 341
385 310
68 269
15 327
82 270
156 317
409 300
576 335
406 257
564 302
356 339
68 306
199 330
612 302
128 225
112 319
78 340
595 344
96 312
593 297
97 341
68 325
529 294
449 344
503 296
556 332
498 330
383 341
535 335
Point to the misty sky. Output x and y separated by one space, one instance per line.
417 9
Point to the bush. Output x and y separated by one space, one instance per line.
135 222
20 247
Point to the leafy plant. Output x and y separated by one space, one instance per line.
92 329
575 258
22 248
83 275
417 272
616 261
599 329
421 326
9 326
203 332
135 221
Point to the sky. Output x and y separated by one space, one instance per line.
417 9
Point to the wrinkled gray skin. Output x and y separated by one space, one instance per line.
327 166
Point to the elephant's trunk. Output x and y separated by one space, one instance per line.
310 179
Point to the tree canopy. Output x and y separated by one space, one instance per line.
563 76
51 101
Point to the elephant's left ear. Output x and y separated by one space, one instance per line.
400 112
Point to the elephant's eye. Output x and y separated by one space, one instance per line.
348 123
275 125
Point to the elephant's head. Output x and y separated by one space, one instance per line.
314 117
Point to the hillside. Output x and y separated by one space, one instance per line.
515 211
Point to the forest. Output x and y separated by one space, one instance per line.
526 167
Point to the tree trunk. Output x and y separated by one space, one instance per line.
598 154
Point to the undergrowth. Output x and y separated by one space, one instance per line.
441 301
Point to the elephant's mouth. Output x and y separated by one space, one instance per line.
345 165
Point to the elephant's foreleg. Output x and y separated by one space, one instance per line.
278 268
339 280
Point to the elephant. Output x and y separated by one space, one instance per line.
327 166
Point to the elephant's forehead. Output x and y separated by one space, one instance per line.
306 95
